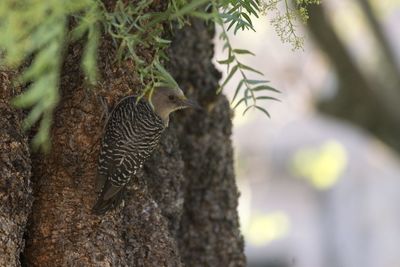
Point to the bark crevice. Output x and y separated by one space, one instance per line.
16 195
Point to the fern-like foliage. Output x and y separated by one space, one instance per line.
131 27
88 25
37 30
236 15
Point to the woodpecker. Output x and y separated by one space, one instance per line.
132 132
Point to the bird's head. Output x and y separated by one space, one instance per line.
167 100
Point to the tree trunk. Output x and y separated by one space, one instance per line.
179 211
358 99
387 50
15 171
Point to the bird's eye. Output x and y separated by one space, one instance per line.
171 97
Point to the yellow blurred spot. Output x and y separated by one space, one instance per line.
322 166
264 228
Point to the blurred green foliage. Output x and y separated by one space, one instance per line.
36 31
34 34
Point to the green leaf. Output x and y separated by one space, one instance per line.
247 109
231 73
263 110
227 61
249 8
202 15
162 84
253 82
242 66
228 17
234 8
237 90
246 95
243 51
43 62
219 89
36 91
265 87
167 78
240 102
188 8
231 24
45 34
247 18
267 98
222 36
162 41
255 4
33 116
42 138
89 59
225 47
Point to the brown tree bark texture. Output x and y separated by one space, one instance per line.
179 211
15 171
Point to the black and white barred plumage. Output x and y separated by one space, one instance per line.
132 132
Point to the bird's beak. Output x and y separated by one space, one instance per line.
189 103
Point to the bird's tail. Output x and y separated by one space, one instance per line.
109 198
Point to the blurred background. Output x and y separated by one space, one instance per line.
320 180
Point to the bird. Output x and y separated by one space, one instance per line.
131 133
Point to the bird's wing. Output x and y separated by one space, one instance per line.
129 139
117 163
110 153
103 205
115 170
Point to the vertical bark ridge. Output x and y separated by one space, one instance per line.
209 229
15 171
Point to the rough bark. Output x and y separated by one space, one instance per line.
15 170
179 211
357 98
209 230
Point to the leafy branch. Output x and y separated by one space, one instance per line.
38 31
251 87
132 26
237 17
